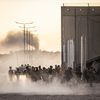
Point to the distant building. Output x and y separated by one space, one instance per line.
80 34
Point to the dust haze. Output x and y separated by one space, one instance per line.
34 57
27 87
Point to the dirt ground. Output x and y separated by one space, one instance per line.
48 97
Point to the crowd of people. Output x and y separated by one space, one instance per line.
36 73
63 73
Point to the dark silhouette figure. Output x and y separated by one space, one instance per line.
10 72
17 73
68 74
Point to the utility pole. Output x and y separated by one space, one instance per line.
24 31
29 43
27 36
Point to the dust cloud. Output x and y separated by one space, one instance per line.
35 58
27 87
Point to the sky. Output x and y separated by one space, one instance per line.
45 15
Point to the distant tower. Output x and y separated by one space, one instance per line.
80 34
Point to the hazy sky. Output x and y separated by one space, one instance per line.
46 15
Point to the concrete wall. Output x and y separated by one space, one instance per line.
77 22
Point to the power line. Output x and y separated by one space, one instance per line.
24 32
